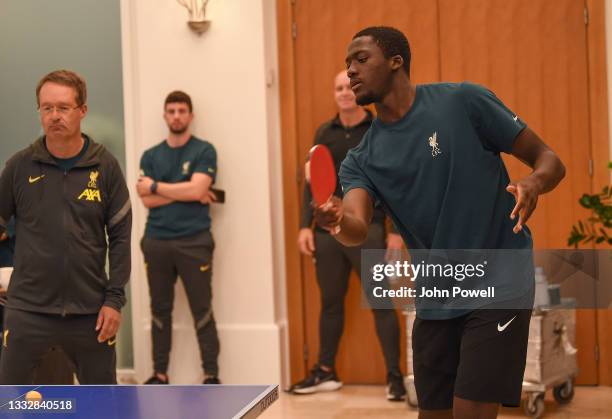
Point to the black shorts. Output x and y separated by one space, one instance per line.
479 356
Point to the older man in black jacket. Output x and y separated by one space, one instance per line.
71 207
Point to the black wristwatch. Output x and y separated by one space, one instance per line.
154 187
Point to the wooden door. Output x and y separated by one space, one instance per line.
533 55
324 30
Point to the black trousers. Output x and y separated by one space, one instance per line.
28 336
333 267
191 259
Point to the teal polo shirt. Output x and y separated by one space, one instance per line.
172 165
439 175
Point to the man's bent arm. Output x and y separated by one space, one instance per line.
118 220
192 190
357 210
119 234
154 201
548 170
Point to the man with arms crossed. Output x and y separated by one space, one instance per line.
432 158
175 181
69 197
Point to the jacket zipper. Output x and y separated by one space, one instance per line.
65 217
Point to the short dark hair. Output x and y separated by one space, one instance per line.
179 97
65 78
391 41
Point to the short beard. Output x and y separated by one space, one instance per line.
366 99
178 131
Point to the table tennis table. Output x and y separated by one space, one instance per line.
132 401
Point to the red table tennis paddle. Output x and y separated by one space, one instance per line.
322 174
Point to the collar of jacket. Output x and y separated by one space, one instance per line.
367 120
91 157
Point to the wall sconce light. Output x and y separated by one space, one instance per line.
197 14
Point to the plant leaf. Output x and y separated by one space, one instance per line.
585 201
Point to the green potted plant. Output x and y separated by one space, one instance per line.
596 227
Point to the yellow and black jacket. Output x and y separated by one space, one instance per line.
66 223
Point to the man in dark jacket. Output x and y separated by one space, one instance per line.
71 207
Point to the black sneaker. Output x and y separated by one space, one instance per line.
156 380
396 392
318 380
212 380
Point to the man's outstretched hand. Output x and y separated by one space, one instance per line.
526 192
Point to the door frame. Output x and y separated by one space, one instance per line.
291 172
600 152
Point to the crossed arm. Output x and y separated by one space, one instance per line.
196 189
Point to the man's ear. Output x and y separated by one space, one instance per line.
84 110
396 62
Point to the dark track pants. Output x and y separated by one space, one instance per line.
28 336
191 259
333 266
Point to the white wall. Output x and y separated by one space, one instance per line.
230 73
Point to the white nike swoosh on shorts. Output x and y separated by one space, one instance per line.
502 328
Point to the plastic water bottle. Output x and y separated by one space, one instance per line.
542 299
